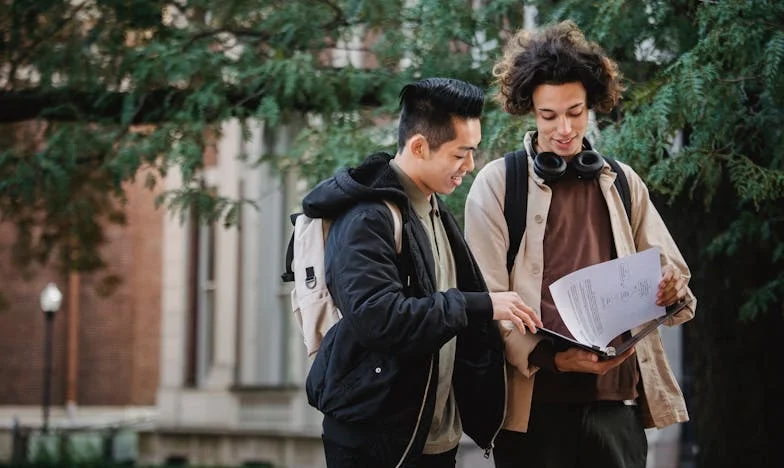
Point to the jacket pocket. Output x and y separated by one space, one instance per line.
352 386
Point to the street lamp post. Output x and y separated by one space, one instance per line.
51 298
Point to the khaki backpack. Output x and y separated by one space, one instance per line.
311 302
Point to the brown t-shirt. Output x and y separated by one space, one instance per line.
578 234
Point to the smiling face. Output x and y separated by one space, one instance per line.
561 118
441 170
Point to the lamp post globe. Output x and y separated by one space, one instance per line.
51 299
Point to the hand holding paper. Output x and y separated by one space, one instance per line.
576 359
600 302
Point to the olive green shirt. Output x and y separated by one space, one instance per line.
446 429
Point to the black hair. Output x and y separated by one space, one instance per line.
428 106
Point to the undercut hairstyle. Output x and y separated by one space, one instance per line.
556 55
428 106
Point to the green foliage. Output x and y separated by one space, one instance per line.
725 99
344 140
131 88
118 87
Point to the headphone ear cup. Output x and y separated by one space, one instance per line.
587 164
549 166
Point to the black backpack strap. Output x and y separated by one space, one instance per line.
515 201
288 275
622 185
517 196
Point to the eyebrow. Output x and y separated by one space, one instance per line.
543 109
469 148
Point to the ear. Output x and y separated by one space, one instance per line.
418 146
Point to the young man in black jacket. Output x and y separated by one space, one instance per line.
416 359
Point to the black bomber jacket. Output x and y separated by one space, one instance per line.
376 372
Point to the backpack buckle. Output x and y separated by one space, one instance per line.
310 277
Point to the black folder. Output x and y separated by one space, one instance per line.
562 342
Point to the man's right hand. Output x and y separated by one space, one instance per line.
579 360
508 306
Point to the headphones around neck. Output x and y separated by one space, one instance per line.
549 166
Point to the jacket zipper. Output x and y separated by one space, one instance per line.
422 410
489 448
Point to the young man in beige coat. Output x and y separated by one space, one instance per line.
565 407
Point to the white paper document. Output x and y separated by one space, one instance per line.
599 302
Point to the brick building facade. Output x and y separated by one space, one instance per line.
118 335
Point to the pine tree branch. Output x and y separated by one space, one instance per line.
160 105
28 50
741 78
236 32
339 20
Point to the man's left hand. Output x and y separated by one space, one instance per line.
672 287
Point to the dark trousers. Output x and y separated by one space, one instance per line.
340 456
600 434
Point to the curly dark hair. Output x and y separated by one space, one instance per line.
555 55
